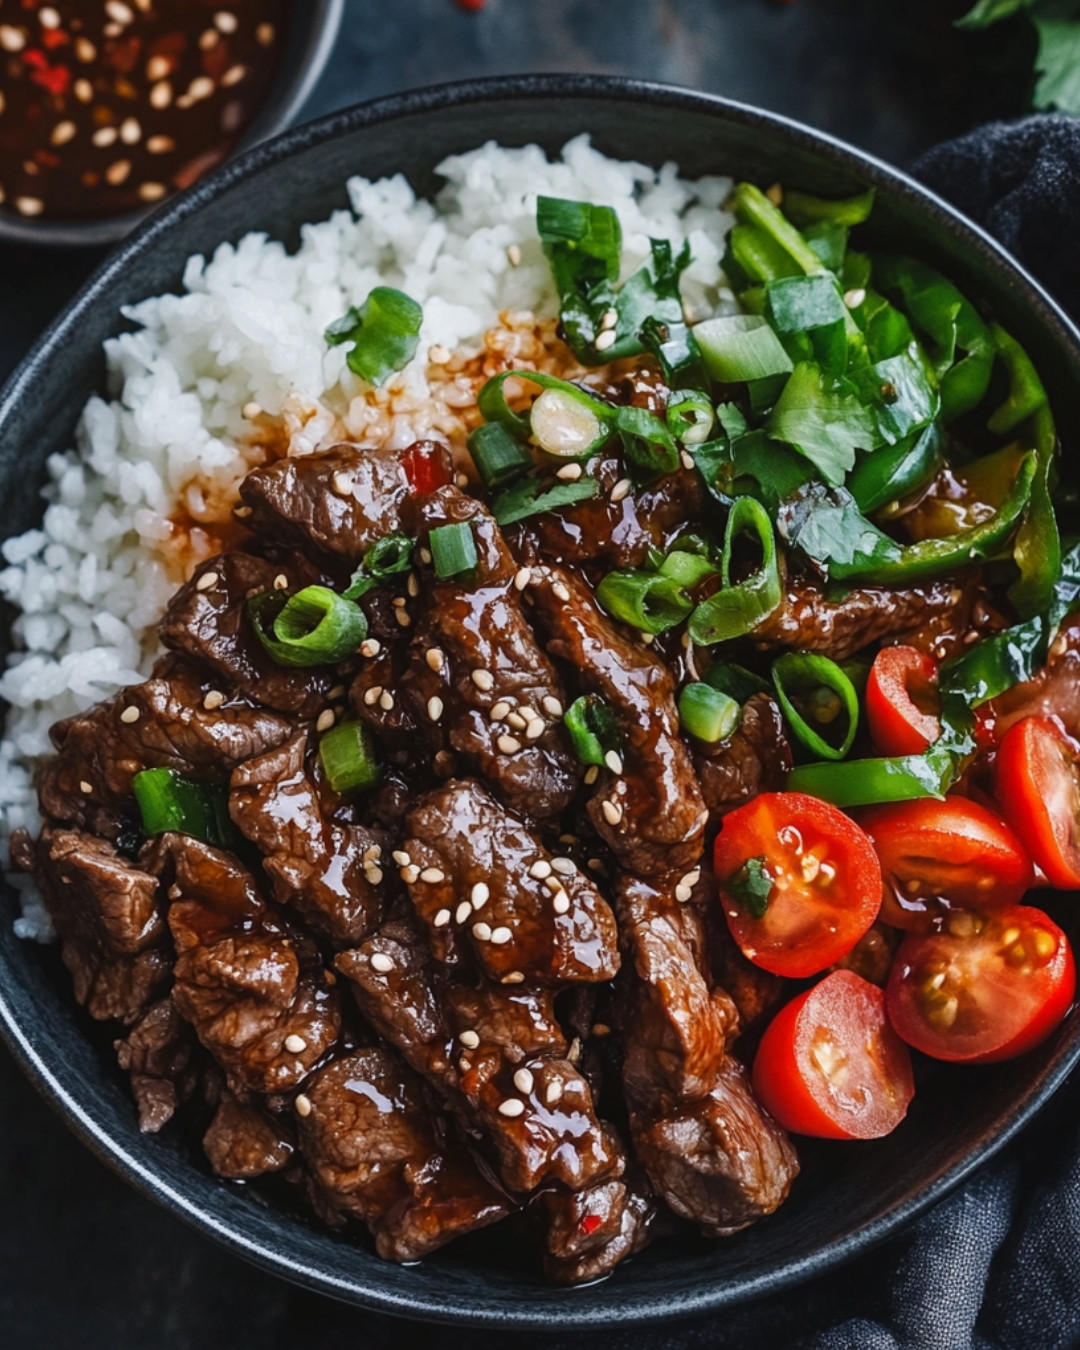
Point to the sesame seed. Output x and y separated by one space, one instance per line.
481 931
683 893
469 1039
566 866
85 50
157 68
325 720
574 1053
62 133
514 977
516 720
410 874
534 730
281 582
152 192
386 700
500 936
483 679
161 145
12 39
692 878
521 578
854 298
463 1064
432 875
613 761
226 21
438 355
553 884
601 1029
612 812
118 12
200 87
441 919
86 788
372 851
161 95
513 1106
214 699
130 131
370 647
499 710
373 873
251 410
686 459
104 137
621 488
592 773
425 556
342 484
242 512
84 90
412 585
552 706
540 869
49 17
561 902
605 340
560 591
554 1091
508 745
371 696
381 963
264 34
435 708
295 1044
435 659
609 318
234 75
303 1105
480 895
523 1080
595 865
118 172
463 911
403 619
570 472
402 858
513 253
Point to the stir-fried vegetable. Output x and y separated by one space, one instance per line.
594 733
315 627
348 757
384 332
168 800
453 549
817 698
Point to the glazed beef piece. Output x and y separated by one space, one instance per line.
330 873
587 1233
755 758
379 1154
484 883
333 504
105 911
163 723
244 1141
675 1031
159 1055
255 993
720 1161
503 700
651 815
207 621
756 993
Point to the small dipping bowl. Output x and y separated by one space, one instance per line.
309 29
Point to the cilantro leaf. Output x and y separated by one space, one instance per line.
528 498
1058 64
823 420
752 887
828 527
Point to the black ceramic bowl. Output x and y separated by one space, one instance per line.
849 1196
312 32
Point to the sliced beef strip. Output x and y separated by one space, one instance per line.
755 758
721 1161
106 913
244 1141
159 1055
162 723
587 1233
528 921
207 620
378 1153
330 873
651 815
335 503
756 993
675 1031
493 661
246 984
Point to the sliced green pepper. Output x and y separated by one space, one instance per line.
892 472
814 694
866 782
736 610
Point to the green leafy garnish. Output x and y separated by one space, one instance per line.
384 332
752 887
824 420
532 496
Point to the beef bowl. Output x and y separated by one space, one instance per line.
251 983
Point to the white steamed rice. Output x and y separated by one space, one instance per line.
92 582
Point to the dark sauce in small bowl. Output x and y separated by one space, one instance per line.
109 106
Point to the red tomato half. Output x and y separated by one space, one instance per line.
956 852
984 988
830 1064
1038 786
821 874
902 704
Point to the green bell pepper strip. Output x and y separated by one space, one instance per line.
168 800
892 472
805 209
797 672
1026 393
980 543
866 782
737 610
644 600
752 207
592 728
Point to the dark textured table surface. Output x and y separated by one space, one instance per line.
84 1261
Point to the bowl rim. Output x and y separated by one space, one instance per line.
277 112
541 1311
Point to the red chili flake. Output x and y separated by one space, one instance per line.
590 1223
54 37
53 78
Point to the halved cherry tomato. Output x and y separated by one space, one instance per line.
809 873
936 856
1038 786
902 704
984 987
427 466
830 1064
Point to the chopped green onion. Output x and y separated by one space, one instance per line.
866 782
741 347
384 331
737 610
804 209
687 569
815 693
572 425
593 730
387 557
315 627
453 549
498 456
347 754
753 208
169 801
644 600
690 416
646 440
707 713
